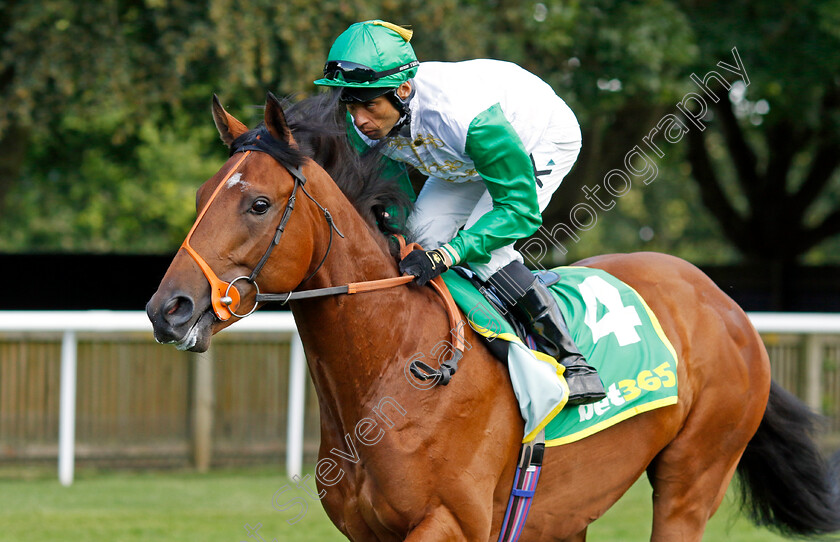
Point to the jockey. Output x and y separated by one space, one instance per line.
495 142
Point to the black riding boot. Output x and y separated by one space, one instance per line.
534 305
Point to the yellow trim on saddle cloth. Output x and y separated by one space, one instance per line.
547 420
657 326
653 405
511 338
653 319
627 414
564 425
541 356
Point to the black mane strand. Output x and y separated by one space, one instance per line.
319 127
260 139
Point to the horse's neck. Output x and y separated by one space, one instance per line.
360 256
349 339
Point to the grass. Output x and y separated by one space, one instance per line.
122 506
629 521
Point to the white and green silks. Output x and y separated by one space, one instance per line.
482 121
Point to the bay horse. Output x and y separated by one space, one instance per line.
443 462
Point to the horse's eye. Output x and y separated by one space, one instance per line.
260 206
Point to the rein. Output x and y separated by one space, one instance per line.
225 297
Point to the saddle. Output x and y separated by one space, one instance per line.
505 310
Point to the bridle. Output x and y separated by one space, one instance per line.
225 297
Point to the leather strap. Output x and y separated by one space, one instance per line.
218 287
372 285
456 321
439 285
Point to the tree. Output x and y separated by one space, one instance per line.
105 133
620 66
767 167
763 159
105 120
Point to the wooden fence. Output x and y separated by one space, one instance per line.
136 401
789 366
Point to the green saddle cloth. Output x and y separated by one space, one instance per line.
614 329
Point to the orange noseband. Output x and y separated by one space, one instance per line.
223 297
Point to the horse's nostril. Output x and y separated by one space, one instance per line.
178 310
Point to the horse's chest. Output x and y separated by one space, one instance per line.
366 510
370 480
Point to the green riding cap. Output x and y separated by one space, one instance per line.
377 46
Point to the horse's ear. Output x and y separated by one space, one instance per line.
275 120
229 128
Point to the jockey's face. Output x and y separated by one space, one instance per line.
377 117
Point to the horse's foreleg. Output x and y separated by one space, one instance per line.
439 525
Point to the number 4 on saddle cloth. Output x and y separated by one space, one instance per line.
614 329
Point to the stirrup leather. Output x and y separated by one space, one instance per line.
544 318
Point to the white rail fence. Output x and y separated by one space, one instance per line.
817 327
69 323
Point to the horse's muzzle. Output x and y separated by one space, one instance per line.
175 321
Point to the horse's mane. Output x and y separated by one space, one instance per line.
319 128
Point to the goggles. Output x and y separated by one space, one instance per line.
353 72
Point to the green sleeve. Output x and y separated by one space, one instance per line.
502 161
391 169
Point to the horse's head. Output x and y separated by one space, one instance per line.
213 278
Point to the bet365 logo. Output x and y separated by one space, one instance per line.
630 389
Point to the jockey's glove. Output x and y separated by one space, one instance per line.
424 264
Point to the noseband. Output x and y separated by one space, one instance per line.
224 296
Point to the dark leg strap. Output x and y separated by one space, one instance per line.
512 282
524 485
